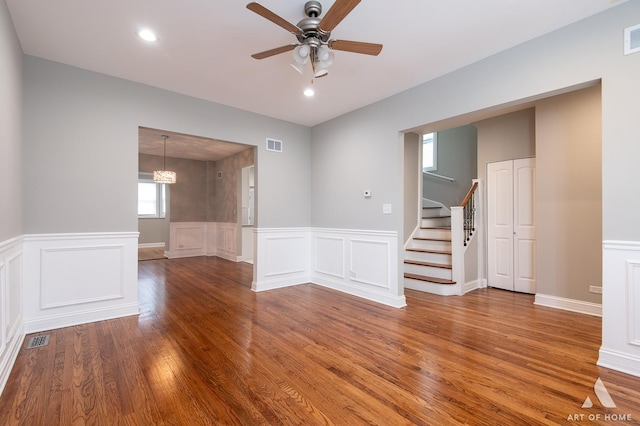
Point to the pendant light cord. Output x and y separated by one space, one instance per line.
165 152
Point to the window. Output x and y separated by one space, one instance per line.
151 198
429 152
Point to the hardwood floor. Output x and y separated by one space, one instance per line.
206 350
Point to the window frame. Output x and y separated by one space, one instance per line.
161 197
434 150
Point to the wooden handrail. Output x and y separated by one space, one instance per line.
470 194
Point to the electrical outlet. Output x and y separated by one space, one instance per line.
595 289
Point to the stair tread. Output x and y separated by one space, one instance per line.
436 217
444 228
422 263
422 250
429 279
431 239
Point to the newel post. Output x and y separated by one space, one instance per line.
457 247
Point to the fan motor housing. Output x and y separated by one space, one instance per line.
309 25
312 9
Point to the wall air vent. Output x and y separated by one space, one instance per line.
632 40
274 145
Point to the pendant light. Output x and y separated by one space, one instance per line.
164 175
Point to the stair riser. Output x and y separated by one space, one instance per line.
428 271
430 245
441 289
444 259
439 234
432 212
436 221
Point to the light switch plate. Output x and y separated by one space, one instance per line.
386 209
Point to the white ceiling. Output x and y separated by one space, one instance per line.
204 46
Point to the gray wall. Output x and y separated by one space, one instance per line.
457 159
188 202
80 126
569 58
506 137
569 195
585 51
225 204
564 134
10 129
412 175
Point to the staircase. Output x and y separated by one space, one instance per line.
428 260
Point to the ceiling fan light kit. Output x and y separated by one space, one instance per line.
313 35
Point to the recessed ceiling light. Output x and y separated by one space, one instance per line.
147 35
309 92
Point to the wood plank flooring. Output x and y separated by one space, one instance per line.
206 350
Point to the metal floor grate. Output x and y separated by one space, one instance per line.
38 341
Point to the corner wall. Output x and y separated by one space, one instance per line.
569 195
11 195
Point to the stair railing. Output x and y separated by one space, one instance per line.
469 213
463 226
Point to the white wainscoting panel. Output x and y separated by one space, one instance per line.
620 348
11 311
361 263
369 262
282 258
187 239
78 278
329 255
226 240
76 275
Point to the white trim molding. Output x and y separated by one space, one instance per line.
189 239
79 278
11 306
358 262
621 307
282 258
226 238
579 306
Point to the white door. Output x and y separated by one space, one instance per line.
511 225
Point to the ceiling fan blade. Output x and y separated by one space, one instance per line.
266 13
272 52
356 47
335 15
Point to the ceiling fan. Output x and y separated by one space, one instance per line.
313 34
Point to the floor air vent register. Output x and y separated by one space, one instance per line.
38 341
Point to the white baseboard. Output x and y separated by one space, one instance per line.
579 306
470 286
619 361
273 284
151 245
77 317
8 358
374 296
